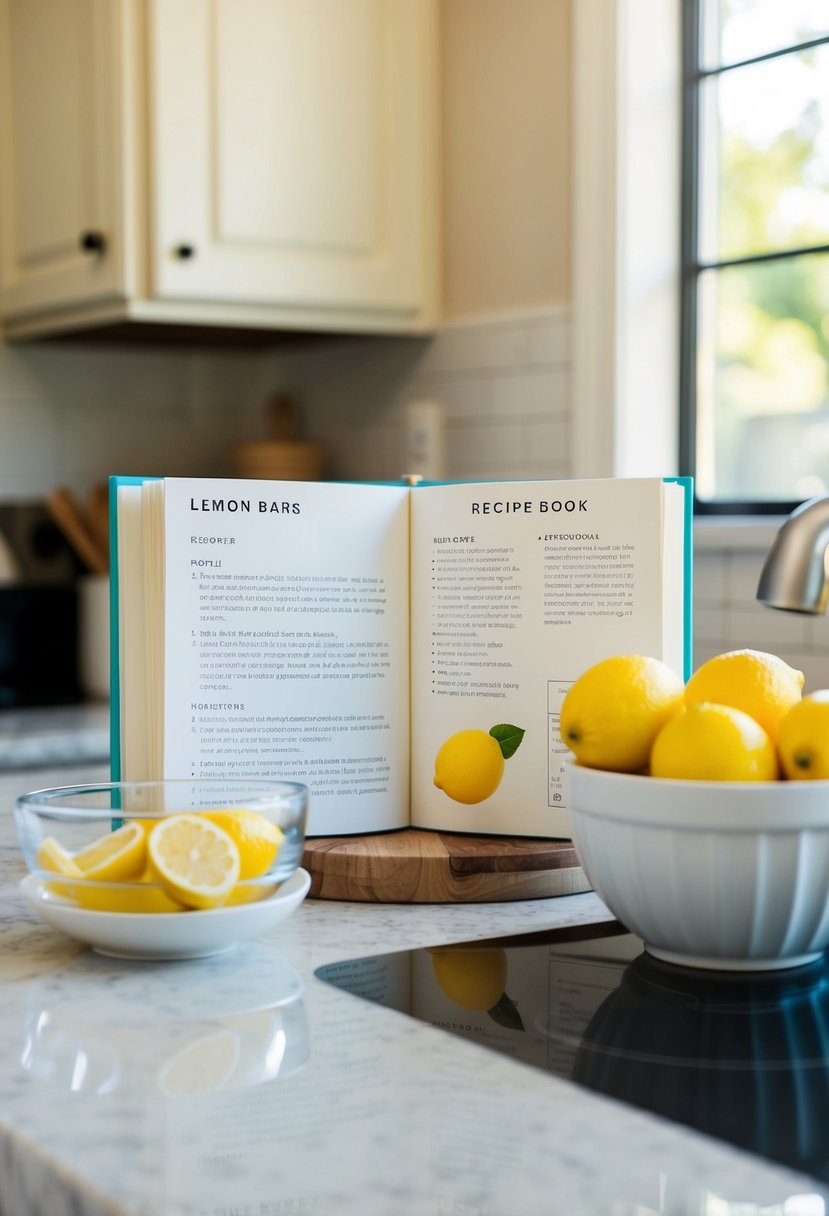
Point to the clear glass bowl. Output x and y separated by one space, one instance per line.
75 817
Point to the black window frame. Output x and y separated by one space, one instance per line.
691 266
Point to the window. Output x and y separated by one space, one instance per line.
755 252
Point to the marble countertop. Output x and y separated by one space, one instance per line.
54 735
142 1088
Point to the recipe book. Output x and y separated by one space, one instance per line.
349 636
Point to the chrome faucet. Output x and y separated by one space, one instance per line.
795 576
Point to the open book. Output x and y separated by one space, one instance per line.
372 640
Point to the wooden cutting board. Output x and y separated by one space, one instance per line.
415 866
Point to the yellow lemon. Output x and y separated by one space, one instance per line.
612 713
474 978
251 894
803 738
120 855
469 766
195 861
127 897
761 685
707 742
257 839
52 856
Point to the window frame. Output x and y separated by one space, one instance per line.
694 74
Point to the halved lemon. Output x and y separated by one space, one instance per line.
257 839
196 862
117 857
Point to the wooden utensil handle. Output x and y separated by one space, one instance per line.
68 516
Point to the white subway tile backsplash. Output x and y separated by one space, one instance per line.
710 577
744 576
549 340
73 414
763 628
709 625
541 394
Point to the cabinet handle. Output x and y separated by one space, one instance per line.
93 241
185 251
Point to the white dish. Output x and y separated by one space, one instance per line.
166 935
715 874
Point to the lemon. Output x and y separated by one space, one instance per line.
120 855
52 856
196 862
761 685
469 766
251 894
473 978
128 897
612 713
257 839
803 738
707 742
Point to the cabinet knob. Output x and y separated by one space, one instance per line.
93 241
185 251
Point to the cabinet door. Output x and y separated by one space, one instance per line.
58 140
292 150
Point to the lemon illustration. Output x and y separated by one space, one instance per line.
612 713
470 764
803 738
708 742
761 685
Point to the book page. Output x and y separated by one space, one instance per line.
287 642
518 587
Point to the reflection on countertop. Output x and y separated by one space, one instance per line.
59 735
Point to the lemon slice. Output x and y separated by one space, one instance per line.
52 856
116 857
196 861
257 839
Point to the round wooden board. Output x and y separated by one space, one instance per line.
415 866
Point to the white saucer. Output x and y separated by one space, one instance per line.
166 935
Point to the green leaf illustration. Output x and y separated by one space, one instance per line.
509 738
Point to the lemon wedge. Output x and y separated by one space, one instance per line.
117 857
196 861
52 856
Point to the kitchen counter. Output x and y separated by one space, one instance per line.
124 1089
54 735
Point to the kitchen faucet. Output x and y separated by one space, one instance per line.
795 577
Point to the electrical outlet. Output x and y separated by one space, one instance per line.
425 440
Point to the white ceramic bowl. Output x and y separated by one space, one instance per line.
725 875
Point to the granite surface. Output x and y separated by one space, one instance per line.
55 735
242 1085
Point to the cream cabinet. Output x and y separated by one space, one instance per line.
255 164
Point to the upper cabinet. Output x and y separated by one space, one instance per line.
261 164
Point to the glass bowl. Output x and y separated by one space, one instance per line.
53 824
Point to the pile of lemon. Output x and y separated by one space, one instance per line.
181 862
742 716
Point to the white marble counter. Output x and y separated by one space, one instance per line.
370 1113
54 735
